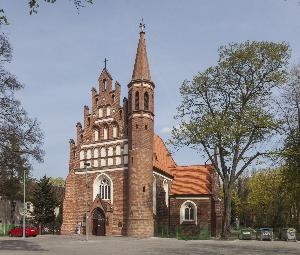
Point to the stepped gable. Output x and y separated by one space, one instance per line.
192 180
162 159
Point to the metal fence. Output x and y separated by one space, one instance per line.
183 232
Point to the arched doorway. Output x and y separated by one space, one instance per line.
98 222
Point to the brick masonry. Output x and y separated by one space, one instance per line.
140 193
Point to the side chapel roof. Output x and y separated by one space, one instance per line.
188 180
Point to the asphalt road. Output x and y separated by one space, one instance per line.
73 245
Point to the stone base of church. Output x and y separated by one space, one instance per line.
140 228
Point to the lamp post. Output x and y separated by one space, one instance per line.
86 165
24 201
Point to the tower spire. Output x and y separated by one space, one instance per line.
141 69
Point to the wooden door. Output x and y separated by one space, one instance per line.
98 222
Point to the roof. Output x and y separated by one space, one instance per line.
141 69
191 180
188 180
162 158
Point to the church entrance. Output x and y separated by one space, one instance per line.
98 222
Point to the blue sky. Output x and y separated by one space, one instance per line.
58 55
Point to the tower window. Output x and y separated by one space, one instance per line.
104 84
146 101
137 100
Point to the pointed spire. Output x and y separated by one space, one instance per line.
141 67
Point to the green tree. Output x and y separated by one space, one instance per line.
268 200
226 110
58 181
44 201
21 138
35 4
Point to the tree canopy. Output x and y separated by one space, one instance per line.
21 138
226 110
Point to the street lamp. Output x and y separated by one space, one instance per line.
86 165
24 201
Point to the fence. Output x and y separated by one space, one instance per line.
4 228
183 232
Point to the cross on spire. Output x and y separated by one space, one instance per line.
142 26
105 62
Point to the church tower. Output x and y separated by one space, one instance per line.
140 136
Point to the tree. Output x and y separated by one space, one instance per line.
20 136
268 199
34 5
226 110
44 201
58 182
290 109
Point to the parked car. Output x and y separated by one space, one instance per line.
246 233
287 234
18 231
264 234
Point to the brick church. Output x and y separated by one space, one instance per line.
133 183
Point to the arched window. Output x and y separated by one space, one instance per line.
96 154
81 156
96 134
125 150
104 84
89 154
100 111
146 101
108 111
105 133
115 131
118 150
166 189
188 212
103 187
103 152
110 151
137 101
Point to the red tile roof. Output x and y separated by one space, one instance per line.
162 158
188 180
191 180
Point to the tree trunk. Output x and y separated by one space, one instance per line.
227 210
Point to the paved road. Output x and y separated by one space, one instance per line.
72 245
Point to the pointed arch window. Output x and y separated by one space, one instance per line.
188 212
108 111
105 133
137 101
104 84
146 101
166 189
96 134
105 189
115 131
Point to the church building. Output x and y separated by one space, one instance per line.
133 183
